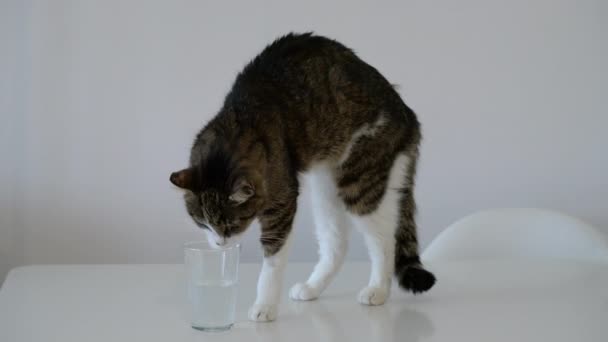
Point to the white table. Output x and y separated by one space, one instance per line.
473 301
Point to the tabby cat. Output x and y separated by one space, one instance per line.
308 110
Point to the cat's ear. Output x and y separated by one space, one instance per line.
183 179
241 192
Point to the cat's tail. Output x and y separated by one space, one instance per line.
408 269
411 274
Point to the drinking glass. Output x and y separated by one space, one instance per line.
212 275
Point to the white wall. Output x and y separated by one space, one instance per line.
511 95
13 92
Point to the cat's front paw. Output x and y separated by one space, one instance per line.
373 295
302 291
263 313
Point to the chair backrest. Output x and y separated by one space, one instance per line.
518 233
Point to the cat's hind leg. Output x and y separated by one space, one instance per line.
373 201
331 230
379 235
380 204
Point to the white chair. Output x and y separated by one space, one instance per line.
518 233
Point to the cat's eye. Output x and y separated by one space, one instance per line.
233 202
200 223
246 218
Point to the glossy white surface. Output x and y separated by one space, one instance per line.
473 301
518 233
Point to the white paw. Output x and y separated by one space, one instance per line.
263 313
373 296
302 291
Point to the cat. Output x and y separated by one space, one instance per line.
308 110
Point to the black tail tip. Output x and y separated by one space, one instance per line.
416 279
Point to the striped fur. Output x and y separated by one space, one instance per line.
308 105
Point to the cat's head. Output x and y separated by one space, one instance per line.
222 196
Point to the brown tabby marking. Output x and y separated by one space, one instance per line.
304 99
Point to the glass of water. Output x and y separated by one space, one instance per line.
212 276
